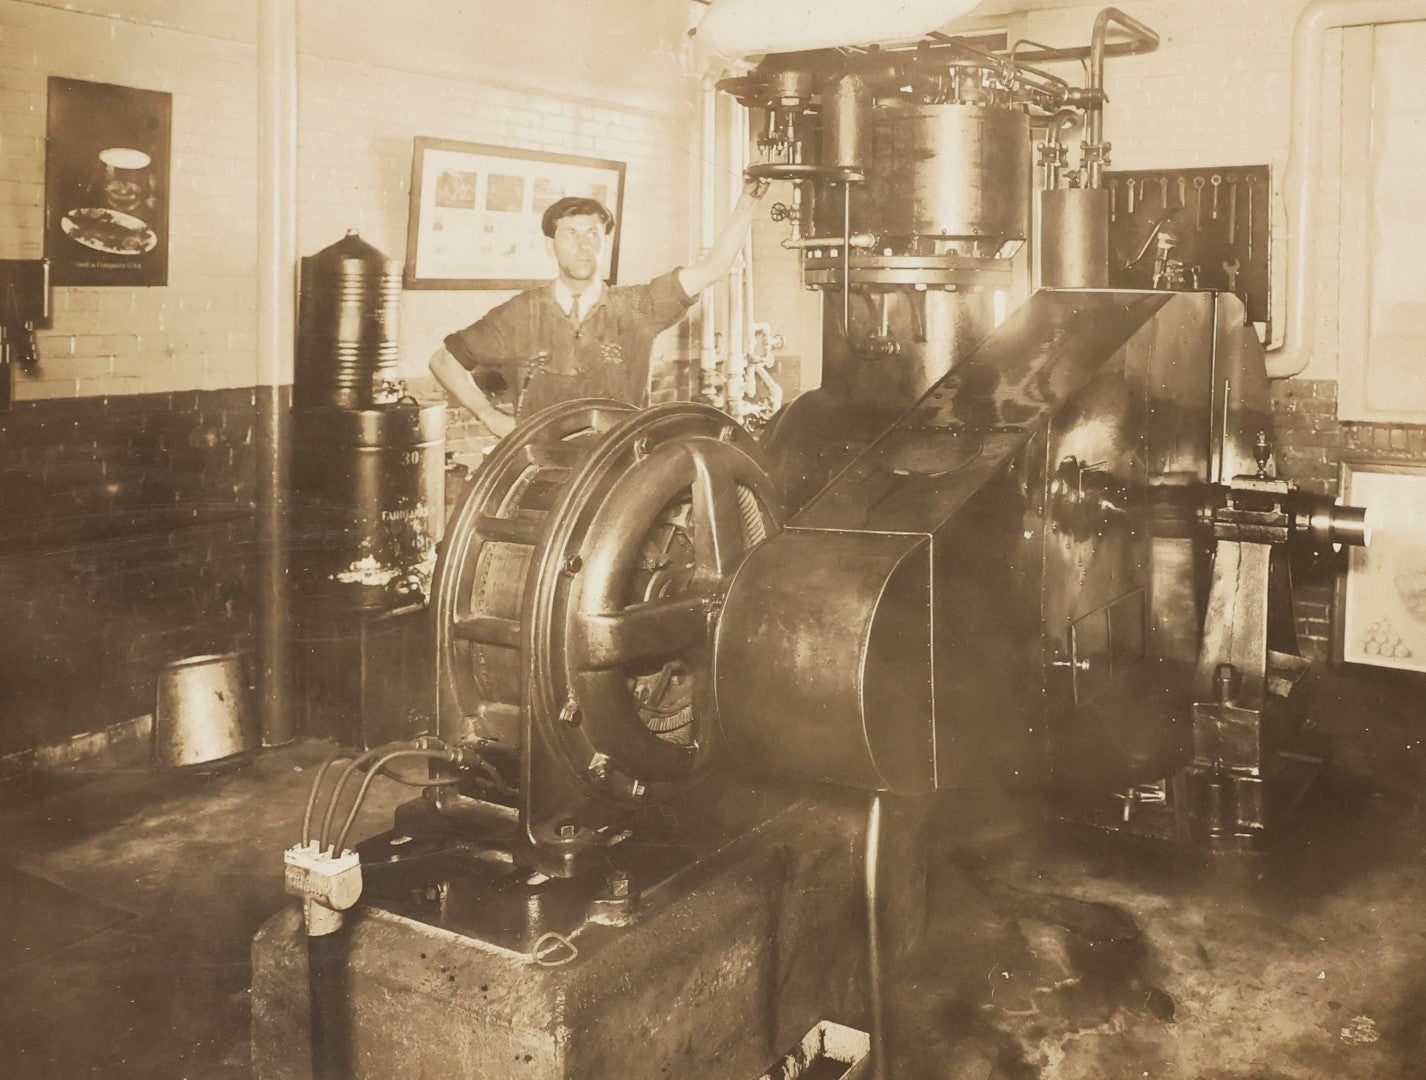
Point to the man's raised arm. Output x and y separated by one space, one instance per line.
728 243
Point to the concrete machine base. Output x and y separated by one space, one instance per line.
715 972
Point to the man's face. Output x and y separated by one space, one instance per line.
576 245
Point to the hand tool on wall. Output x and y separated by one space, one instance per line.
1183 191
1232 180
1129 184
1215 180
1114 200
1198 183
1231 269
1164 192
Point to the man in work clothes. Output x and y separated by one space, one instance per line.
575 337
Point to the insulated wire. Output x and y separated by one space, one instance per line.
439 755
346 776
330 760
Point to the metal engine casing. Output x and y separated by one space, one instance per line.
999 564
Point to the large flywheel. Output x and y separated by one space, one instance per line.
576 597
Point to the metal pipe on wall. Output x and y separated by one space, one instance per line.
707 194
745 135
276 303
737 359
1094 122
1299 183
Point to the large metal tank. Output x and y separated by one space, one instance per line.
347 353
368 504
950 173
368 494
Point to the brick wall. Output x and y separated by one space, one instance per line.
198 332
355 130
1312 444
126 466
127 539
354 158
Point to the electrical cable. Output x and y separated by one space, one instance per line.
330 760
438 755
345 778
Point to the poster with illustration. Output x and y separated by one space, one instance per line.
475 213
106 184
1381 603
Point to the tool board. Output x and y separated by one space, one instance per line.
1220 217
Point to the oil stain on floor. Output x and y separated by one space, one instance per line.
1053 954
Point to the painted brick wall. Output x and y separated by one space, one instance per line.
355 130
126 466
1217 92
198 332
354 160
127 539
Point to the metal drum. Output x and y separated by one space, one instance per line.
1074 238
203 712
368 504
955 172
956 175
348 316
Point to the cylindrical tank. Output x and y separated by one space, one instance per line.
846 124
368 498
203 712
348 310
957 175
968 178
1074 238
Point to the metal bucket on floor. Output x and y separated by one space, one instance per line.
203 712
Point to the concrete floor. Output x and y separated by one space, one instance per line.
128 898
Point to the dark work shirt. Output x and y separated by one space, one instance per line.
605 355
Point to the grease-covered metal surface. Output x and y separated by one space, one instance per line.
1050 483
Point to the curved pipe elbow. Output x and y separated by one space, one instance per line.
1298 190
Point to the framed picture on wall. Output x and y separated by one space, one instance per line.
1381 599
106 184
475 213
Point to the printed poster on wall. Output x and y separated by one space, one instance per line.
476 211
106 184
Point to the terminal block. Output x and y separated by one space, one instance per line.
326 881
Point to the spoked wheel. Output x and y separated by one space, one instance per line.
576 600
492 541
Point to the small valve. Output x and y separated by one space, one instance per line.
780 211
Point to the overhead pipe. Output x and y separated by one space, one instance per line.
1299 188
1095 149
276 308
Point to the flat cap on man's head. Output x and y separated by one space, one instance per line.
573 206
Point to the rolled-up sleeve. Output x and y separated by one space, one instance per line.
482 349
667 300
